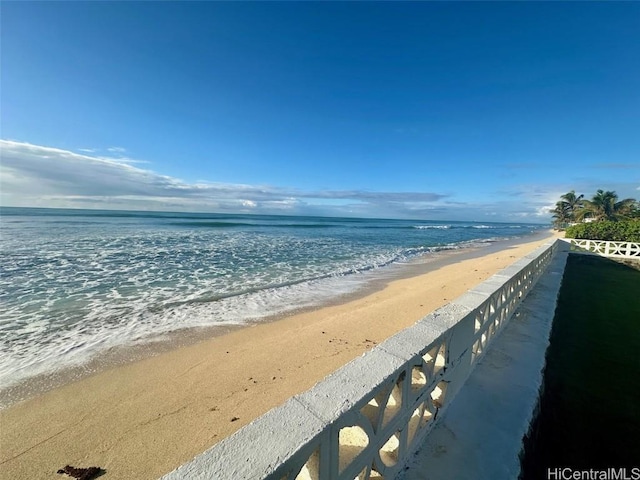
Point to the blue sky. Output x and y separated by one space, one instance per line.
451 111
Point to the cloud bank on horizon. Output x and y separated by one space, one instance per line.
41 176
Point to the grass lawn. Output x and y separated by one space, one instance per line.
589 416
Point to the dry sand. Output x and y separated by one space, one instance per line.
143 419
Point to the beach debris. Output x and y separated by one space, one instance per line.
81 473
235 419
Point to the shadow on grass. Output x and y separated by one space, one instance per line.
589 408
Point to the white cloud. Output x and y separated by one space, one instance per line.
545 210
34 175
116 150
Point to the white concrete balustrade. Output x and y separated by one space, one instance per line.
362 421
629 250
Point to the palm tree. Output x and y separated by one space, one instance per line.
574 204
568 209
605 206
562 214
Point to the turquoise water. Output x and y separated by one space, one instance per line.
74 283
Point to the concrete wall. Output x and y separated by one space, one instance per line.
363 421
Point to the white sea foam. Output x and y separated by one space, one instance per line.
85 340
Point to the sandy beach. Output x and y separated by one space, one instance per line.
142 419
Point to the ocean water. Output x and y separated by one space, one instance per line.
76 283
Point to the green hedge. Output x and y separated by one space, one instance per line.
624 231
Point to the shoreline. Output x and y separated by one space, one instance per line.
114 357
142 419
